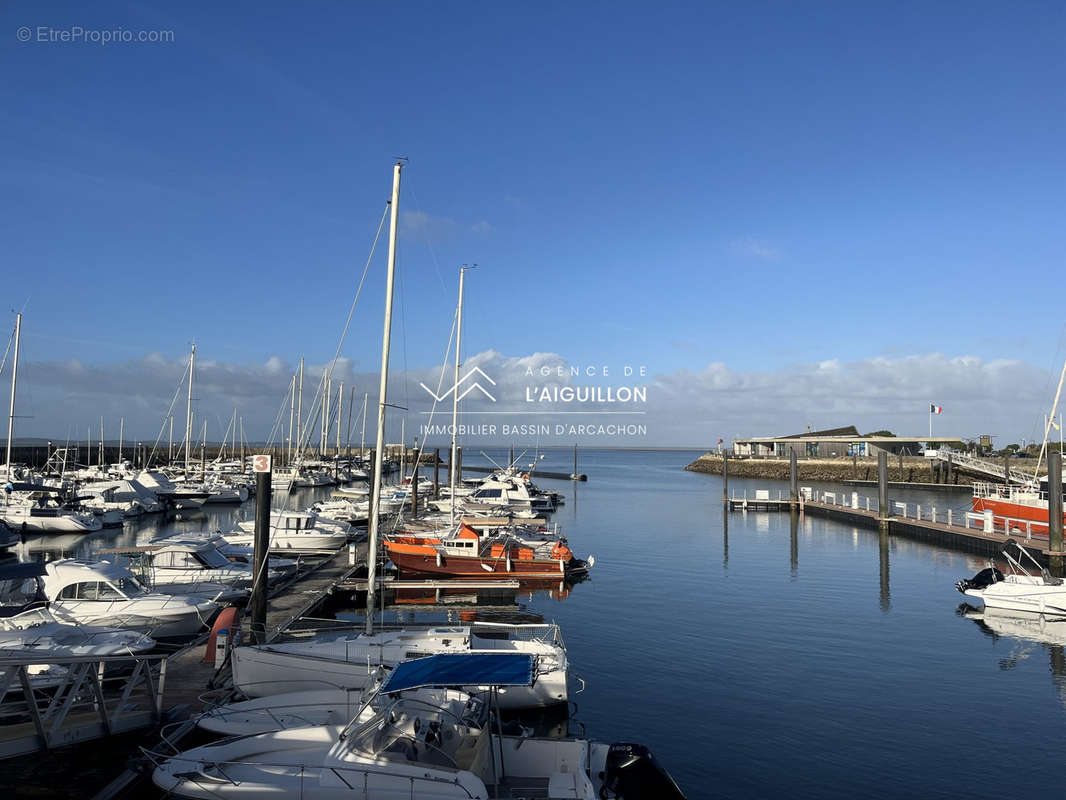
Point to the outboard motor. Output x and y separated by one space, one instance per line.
632 772
982 580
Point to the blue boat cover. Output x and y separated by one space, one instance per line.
449 670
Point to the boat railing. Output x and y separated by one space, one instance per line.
82 698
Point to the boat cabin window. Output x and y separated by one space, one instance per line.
90 590
176 559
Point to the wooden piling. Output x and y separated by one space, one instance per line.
436 473
261 545
1054 486
882 485
725 477
793 478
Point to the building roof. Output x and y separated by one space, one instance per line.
816 437
849 430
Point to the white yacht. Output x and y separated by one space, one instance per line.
322 707
193 562
103 593
295 532
37 512
27 626
350 660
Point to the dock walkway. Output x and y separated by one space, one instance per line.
907 520
189 678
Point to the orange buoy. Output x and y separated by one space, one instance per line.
229 622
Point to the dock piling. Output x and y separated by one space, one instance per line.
1054 486
725 477
882 485
258 601
436 473
793 479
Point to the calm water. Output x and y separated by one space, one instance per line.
758 660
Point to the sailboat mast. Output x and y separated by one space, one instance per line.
362 438
292 411
452 476
300 411
1047 424
375 492
340 410
14 379
188 410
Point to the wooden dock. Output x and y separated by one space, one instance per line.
189 678
395 584
959 534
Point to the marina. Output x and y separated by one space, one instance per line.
424 401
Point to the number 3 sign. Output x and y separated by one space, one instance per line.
260 463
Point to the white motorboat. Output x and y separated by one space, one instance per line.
180 496
350 660
220 493
295 532
36 512
408 748
178 561
320 707
103 593
1020 590
28 627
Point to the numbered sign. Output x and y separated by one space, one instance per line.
260 463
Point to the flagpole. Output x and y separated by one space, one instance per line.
930 425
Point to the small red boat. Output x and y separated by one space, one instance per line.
1016 508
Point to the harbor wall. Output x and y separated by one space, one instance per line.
838 470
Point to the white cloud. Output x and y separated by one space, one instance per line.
755 248
684 408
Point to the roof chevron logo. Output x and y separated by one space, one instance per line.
467 390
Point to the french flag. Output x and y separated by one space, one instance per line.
936 409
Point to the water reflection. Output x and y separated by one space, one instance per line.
882 554
725 541
793 534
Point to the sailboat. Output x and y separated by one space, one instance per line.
29 508
350 660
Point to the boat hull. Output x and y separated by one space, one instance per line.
425 561
1034 514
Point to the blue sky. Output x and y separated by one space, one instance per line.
763 184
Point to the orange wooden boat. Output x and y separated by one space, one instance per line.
502 560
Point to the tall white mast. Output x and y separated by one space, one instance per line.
121 431
375 492
452 472
188 411
292 411
300 412
340 411
1047 423
362 439
14 378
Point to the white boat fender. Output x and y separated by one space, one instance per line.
508 563
440 561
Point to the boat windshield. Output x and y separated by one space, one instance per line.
210 557
33 618
408 729
131 587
